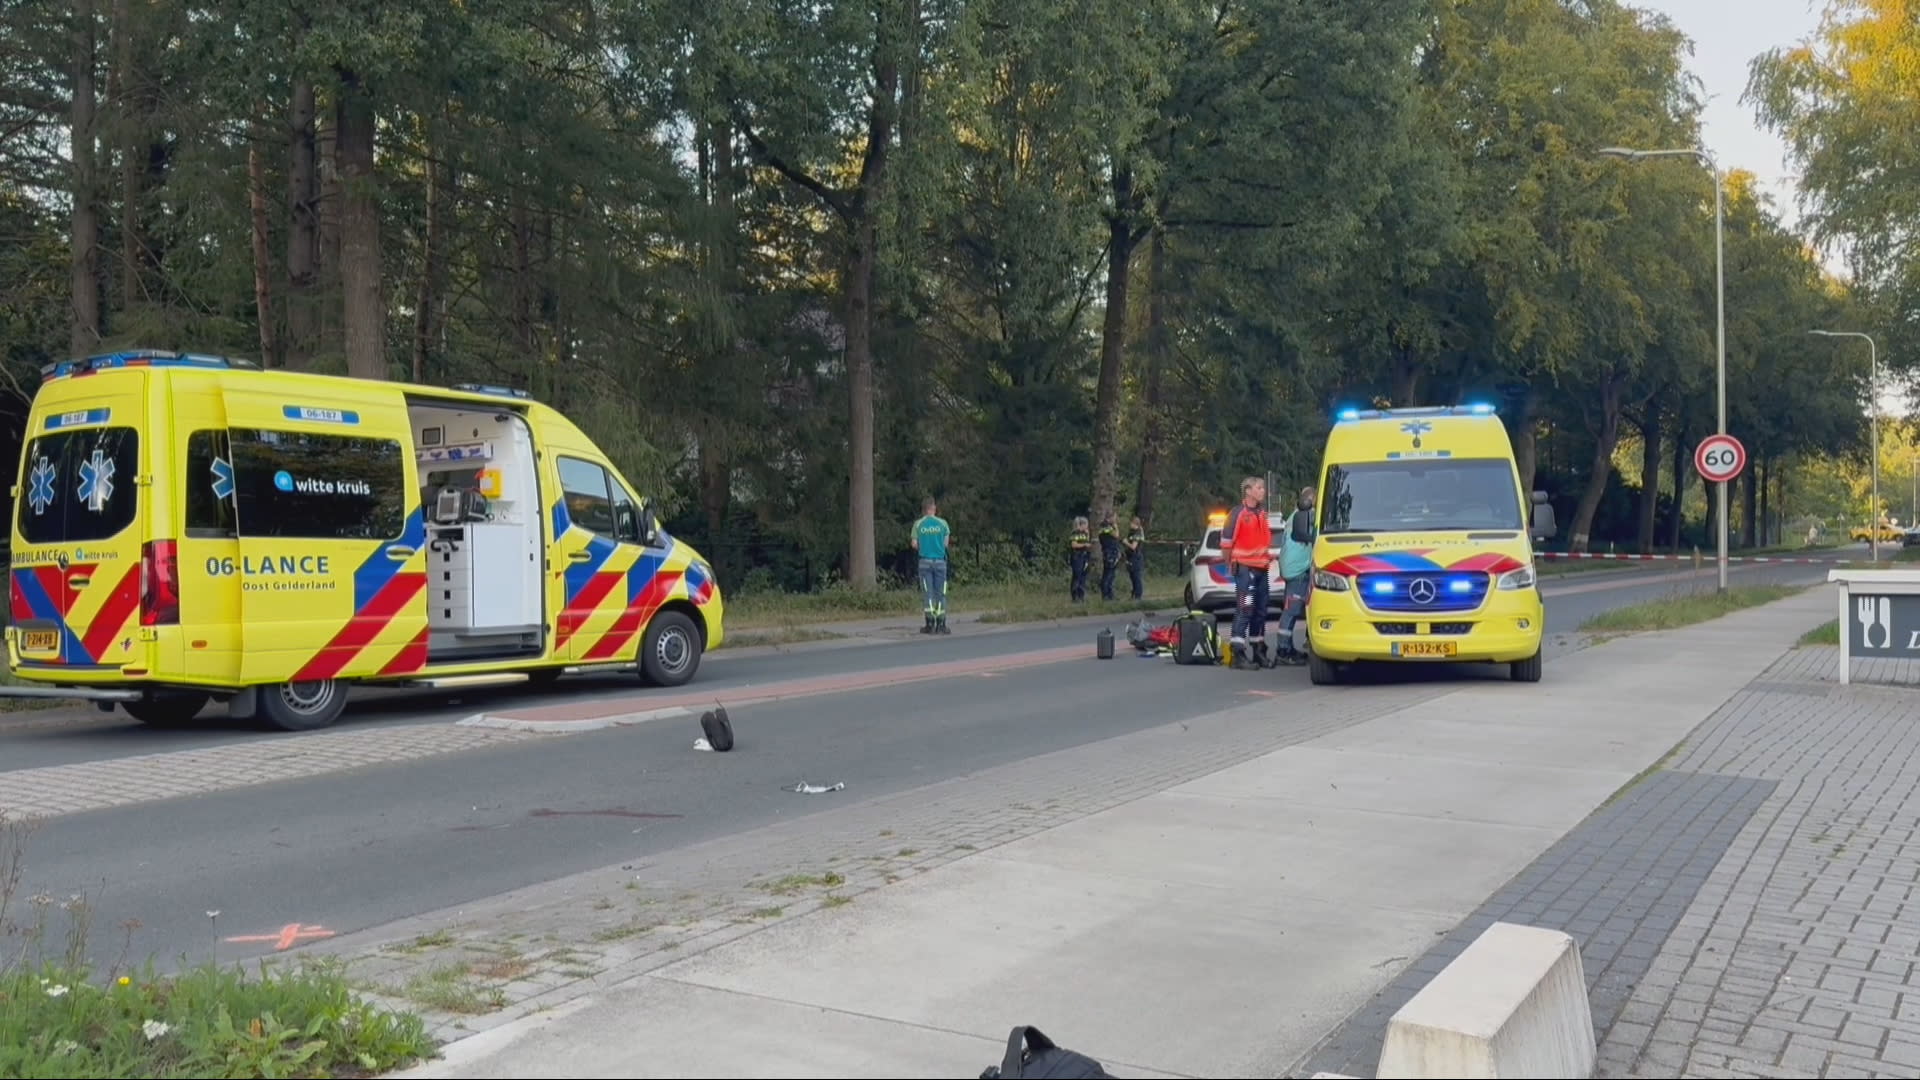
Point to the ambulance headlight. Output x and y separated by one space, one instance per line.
1522 578
1331 582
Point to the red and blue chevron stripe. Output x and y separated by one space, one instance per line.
381 592
41 594
1415 560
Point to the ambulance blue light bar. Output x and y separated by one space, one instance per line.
497 391
1475 409
139 358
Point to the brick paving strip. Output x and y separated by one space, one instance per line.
485 964
1753 910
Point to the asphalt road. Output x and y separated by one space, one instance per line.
357 848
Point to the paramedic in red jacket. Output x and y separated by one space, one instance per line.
1247 542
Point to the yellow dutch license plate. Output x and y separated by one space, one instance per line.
39 641
1426 650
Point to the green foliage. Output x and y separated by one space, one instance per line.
647 214
60 1021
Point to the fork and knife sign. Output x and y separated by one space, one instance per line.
1875 613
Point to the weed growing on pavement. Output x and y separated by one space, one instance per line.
1827 633
1686 609
60 1016
794 883
834 900
452 988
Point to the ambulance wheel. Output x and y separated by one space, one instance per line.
670 651
167 708
1321 671
1528 670
303 706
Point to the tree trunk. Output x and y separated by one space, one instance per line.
262 262
1605 437
303 229
860 525
85 280
521 312
1766 508
327 263
1750 510
1404 381
433 270
362 312
1113 341
1158 345
1649 478
1678 436
132 126
1526 445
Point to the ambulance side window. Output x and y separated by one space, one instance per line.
305 485
597 502
209 482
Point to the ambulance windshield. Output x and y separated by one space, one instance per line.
1421 496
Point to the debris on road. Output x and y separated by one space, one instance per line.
718 729
804 788
701 743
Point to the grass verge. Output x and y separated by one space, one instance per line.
61 1016
778 635
1685 609
1013 601
1827 633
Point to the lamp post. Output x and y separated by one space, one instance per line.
1873 417
1720 318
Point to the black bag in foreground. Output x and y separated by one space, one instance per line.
1032 1056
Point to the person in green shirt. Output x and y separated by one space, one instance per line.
930 535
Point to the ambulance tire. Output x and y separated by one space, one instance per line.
167 708
1321 671
1528 670
303 706
670 650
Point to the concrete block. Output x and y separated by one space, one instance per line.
1513 1004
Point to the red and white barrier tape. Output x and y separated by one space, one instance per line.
1704 557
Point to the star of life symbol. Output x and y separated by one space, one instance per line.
96 481
222 478
1416 428
40 488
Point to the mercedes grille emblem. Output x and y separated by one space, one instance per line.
1422 591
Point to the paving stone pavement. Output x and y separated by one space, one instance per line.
95 785
1797 959
485 964
1619 883
1752 909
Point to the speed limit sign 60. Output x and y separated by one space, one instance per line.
1720 458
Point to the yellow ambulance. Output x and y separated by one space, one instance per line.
1424 550
191 527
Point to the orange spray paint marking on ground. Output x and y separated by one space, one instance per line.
288 936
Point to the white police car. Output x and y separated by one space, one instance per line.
1210 582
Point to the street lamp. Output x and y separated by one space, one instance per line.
1720 306
1873 417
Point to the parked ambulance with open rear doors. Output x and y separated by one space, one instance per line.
1425 545
189 528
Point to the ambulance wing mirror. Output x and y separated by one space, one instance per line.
649 526
1544 526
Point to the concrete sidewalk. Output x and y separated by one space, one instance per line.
1217 928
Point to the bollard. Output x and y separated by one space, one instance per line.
1696 558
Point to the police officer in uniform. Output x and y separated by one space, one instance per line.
1137 556
1079 554
1109 555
